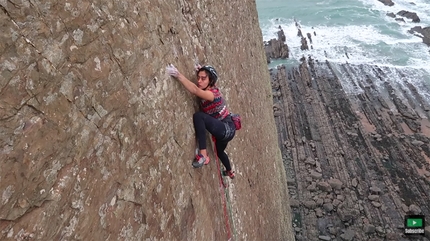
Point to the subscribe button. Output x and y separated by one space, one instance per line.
414 224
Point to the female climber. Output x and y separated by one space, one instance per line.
214 115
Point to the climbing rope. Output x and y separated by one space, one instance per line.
222 187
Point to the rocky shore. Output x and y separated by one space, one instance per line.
357 159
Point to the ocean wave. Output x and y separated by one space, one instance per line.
356 44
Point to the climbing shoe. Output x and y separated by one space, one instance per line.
200 161
228 173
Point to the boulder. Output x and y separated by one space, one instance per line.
391 14
410 15
335 183
387 2
424 33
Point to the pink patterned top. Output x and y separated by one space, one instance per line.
216 108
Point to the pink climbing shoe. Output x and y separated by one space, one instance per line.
229 173
200 161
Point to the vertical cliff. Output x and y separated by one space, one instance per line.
97 141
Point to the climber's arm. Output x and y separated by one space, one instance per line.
190 86
193 89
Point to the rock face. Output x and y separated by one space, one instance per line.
97 141
356 162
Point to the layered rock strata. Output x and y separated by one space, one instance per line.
356 151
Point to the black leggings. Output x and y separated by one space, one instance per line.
217 128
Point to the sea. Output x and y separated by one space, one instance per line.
355 32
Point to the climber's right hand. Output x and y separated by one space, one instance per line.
172 70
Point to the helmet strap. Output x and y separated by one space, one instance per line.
206 87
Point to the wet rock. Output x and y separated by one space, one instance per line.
387 2
409 15
309 37
391 14
304 44
276 48
400 20
281 34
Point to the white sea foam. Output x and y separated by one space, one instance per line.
353 44
420 7
369 37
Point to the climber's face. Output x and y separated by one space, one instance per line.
202 80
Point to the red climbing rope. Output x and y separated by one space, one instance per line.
221 188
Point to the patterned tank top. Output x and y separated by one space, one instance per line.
216 108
